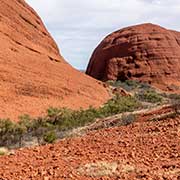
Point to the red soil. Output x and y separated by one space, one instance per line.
33 75
143 150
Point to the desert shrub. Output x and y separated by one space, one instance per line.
68 119
145 86
128 119
53 112
119 104
149 96
10 132
50 137
60 120
58 116
82 117
174 97
175 102
40 126
26 122
130 85
163 117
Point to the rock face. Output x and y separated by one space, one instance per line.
33 75
144 52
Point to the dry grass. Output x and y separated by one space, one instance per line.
128 168
4 151
98 169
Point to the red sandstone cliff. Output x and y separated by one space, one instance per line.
33 75
144 52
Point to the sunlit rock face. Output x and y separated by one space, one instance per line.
33 74
144 52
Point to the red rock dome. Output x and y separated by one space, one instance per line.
144 52
33 75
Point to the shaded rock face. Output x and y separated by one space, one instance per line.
144 52
33 75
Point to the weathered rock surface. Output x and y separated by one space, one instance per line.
33 75
144 52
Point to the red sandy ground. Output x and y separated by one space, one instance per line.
151 149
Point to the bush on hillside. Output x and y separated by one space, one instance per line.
128 119
130 85
119 104
50 137
149 96
60 120
175 101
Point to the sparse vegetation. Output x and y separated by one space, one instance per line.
130 85
149 96
175 101
46 129
98 169
50 137
128 119
164 116
58 121
119 105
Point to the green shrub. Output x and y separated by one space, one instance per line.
174 96
53 112
149 96
63 119
26 122
50 137
119 104
69 119
128 119
175 102
128 85
10 132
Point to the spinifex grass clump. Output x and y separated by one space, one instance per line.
57 121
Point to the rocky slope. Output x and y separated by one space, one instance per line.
33 75
144 52
143 150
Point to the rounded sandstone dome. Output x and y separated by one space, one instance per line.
144 52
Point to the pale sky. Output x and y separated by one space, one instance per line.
78 26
